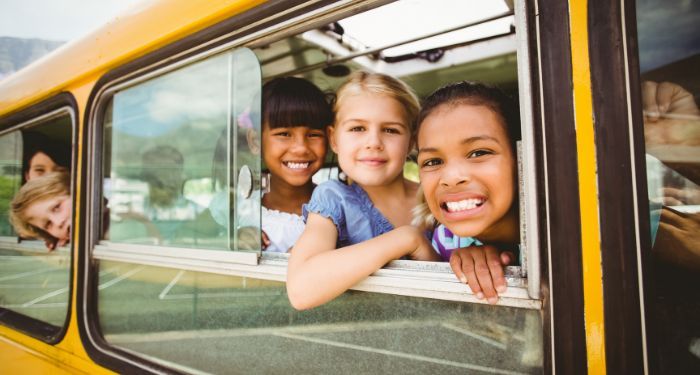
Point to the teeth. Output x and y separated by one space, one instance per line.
467 204
297 165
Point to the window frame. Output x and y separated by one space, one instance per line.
55 107
438 282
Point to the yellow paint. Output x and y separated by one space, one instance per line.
75 68
147 26
588 189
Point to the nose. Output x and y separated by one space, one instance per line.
300 145
374 140
453 174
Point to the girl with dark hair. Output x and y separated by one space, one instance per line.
467 158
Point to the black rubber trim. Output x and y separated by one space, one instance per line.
44 331
99 350
616 183
566 275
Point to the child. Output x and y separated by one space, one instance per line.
372 136
295 114
43 155
42 209
466 154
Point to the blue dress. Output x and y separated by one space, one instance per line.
350 209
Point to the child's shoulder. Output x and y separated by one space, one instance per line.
334 188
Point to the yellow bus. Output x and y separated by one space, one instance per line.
609 198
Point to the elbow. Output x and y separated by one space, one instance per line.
297 298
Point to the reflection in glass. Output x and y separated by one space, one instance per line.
173 146
230 325
669 54
10 176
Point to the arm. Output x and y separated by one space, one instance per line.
317 273
482 268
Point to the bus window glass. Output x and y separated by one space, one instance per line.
226 324
35 280
174 147
669 54
10 176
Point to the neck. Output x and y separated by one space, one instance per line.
287 198
506 230
398 188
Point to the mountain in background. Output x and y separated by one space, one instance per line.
15 53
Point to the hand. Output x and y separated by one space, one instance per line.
670 115
678 239
265 240
482 268
671 196
424 249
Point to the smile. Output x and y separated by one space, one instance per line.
463 205
296 165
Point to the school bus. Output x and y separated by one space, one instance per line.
606 277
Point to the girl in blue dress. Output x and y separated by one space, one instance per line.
353 230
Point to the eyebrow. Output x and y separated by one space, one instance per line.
463 142
382 123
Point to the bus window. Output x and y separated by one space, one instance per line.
202 313
174 147
669 54
34 279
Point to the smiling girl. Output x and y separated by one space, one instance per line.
295 114
348 233
466 154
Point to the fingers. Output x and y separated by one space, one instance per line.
651 107
265 240
495 276
507 258
665 93
481 267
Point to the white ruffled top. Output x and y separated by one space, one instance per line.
282 228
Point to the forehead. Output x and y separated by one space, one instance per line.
463 121
369 104
41 158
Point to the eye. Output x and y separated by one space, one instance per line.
392 130
357 128
479 153
56 207
431 163
283 133
316 135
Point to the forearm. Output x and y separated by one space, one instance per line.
318 279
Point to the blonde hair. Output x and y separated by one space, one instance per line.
362 82
423 218
35 190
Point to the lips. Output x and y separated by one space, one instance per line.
373 161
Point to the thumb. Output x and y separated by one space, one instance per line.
507 258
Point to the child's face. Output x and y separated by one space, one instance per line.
293 154
41 164
52 215
371 138
467 170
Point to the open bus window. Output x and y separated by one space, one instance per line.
174 151
669 54
35 279
404 318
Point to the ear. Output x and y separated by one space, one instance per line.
253 141
331 138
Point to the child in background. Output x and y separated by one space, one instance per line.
295 115
371 134
42 209
466 154
43 155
